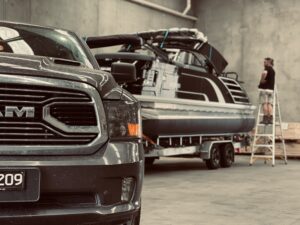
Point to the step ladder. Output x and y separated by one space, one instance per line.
263 145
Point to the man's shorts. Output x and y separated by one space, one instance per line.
266 96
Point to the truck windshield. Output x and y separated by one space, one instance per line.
34 40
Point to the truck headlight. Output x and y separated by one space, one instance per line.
123 119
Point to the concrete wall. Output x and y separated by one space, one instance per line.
15 10
247 31
93 17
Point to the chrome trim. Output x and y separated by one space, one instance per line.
21 128
60 149
40 91
45 101
95 212
27 134
115 153
154 102
199 117
172 151
24 96
194 93
10 110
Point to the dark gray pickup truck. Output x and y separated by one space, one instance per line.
70 137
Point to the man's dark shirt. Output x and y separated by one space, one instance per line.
270 79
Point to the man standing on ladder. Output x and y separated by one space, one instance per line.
265 138
266 85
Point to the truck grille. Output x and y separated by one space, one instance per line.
47 115
38 134
22 130
38 94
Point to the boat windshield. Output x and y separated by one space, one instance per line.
193 59
40 41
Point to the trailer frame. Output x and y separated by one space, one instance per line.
202 150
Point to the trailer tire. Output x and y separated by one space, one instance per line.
215 157
227 155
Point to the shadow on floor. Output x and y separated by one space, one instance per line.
169 165
177 165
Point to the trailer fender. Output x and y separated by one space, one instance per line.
205 150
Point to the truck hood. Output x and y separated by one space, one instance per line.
28 65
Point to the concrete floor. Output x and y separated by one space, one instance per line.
184 192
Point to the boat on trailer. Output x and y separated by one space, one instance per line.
180 82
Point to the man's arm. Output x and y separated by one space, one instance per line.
263 77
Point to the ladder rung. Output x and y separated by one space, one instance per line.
262 145
263 156
270 124
264 135
262 125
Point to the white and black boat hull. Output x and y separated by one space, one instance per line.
166 116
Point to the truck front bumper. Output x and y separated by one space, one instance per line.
116 215
80 190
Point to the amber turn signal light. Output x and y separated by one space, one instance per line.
133 129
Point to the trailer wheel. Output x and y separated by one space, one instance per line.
215 158
227 156
149 161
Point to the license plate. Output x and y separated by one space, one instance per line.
12 180
19 184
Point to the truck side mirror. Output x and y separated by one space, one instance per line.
123 72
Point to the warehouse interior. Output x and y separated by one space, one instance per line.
181 190
249 32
